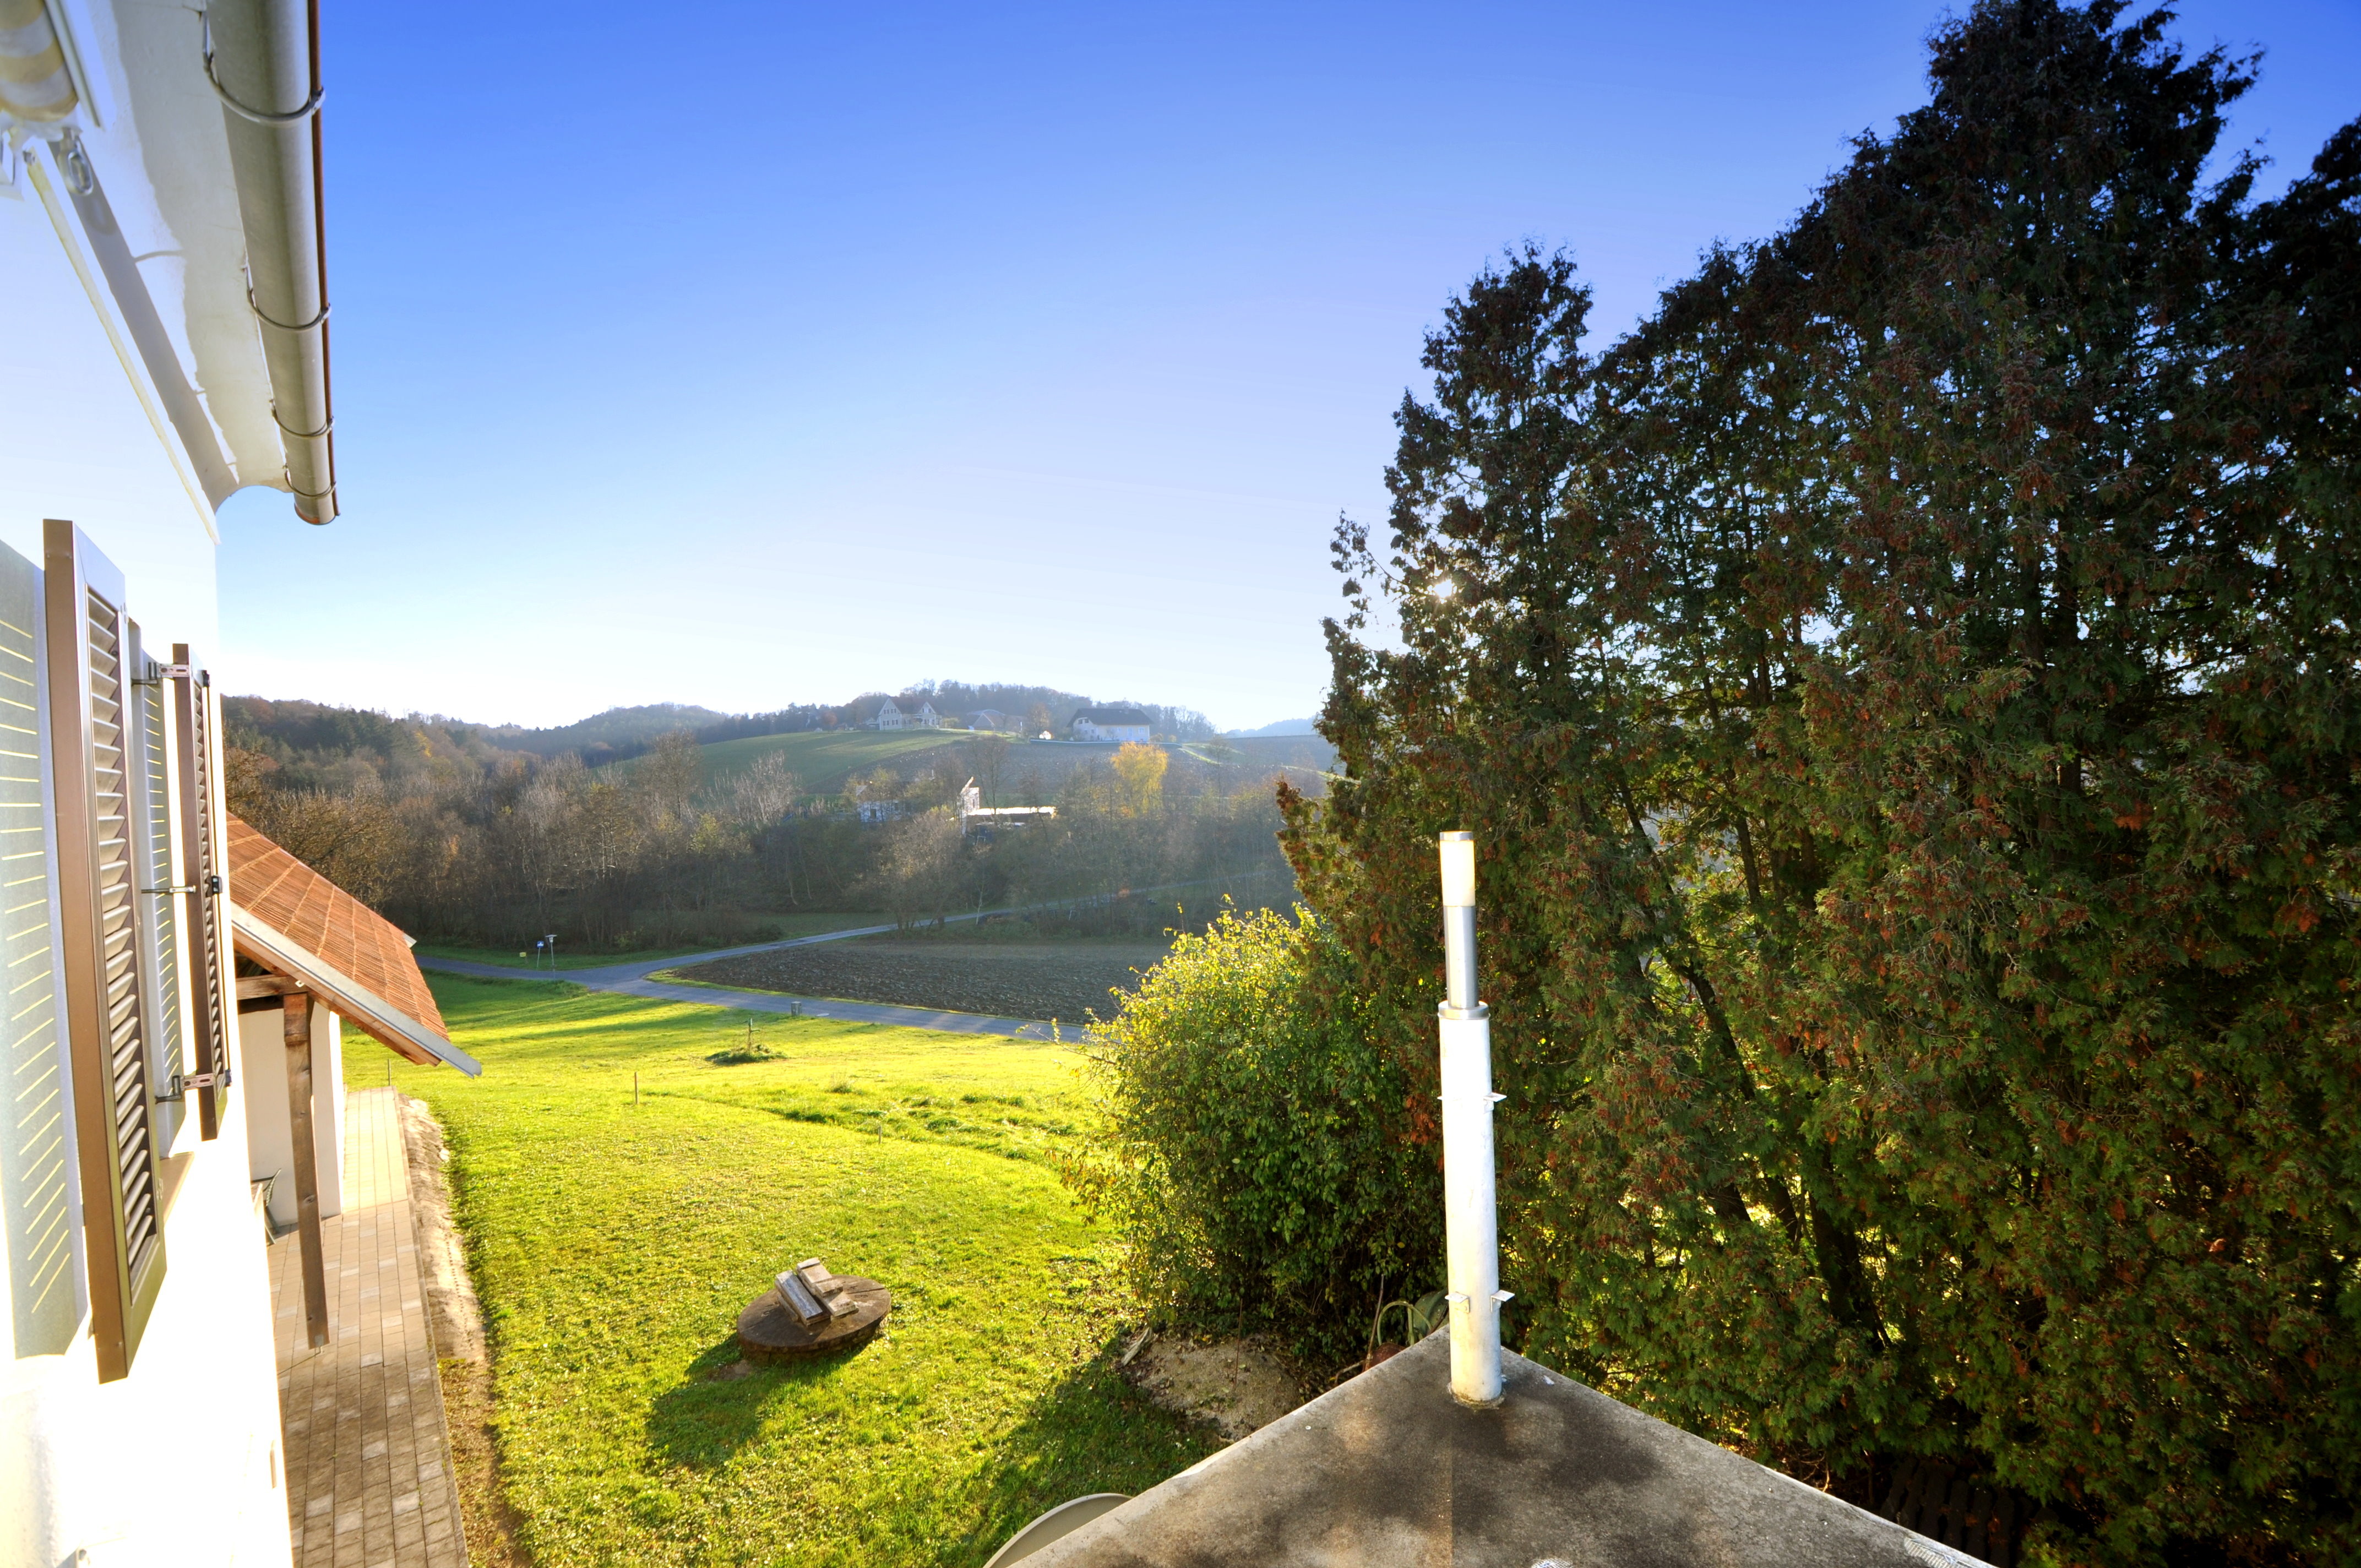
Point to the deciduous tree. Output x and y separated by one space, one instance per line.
1140 772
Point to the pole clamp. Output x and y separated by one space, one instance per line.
260 117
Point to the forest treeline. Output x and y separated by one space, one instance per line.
459 839
291 730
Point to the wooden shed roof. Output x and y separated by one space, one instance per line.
291 919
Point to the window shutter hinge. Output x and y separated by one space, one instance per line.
182 1082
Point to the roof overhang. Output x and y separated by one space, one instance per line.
349 1000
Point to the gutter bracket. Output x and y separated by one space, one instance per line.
260 117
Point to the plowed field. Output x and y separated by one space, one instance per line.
1016 979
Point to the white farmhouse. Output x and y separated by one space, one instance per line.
176 982
893 716
1111 724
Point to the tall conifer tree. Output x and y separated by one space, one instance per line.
1906 692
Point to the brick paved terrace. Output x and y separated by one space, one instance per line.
368 1459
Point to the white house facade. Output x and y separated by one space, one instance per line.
893 716
1104 724
164 342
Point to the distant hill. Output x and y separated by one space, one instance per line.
311 745
623 733
617 730
320 743
1282 727
823 761
317 744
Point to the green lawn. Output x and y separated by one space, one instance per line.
789 925
613 1245
822 760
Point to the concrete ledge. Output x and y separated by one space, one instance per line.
1388 1469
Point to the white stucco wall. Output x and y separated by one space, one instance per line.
177 1462
1086 730
271 1145
180 1463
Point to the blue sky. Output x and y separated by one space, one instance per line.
758 353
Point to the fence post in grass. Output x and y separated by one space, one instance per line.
1470 1221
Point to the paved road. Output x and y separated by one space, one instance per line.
631 980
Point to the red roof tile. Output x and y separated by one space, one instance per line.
344 934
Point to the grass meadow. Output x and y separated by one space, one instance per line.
613 1244
823 760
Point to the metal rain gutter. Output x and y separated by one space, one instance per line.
263 59
1471 1232
346 995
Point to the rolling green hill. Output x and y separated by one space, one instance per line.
825 759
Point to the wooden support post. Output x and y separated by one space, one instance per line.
297 1016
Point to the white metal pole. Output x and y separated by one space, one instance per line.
1471 1222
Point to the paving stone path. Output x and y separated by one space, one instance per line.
370 1483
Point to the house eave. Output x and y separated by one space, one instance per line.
347 997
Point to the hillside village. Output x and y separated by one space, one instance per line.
1089 724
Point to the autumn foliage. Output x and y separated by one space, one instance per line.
1905 692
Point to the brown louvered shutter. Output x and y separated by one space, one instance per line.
201 829
99 933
